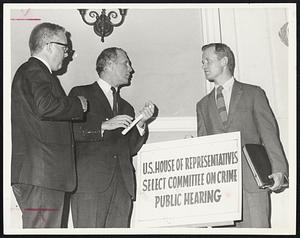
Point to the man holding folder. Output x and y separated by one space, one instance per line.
235 106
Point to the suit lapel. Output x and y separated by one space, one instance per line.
235 97
102 99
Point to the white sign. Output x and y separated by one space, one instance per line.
189 182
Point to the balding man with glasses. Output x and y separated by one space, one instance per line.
43 166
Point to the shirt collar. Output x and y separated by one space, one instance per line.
44 62
228 84
105 86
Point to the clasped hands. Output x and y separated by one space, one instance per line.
123 121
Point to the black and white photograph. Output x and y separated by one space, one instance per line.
133 118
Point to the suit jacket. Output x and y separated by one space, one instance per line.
42 141
249 113
98 155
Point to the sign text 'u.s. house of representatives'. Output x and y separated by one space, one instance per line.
189 182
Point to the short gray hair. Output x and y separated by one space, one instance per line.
108 54
42 34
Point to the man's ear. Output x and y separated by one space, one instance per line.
109 66
47 49
224 61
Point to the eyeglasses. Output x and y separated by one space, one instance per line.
66 48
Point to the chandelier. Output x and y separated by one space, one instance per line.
102 24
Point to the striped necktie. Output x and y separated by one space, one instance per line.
221 105
115 101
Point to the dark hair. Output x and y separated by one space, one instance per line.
221 51
42 34
109 54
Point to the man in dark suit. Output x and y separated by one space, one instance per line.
43 164
104 155
241 107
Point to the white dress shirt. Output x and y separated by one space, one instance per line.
227 89
106 90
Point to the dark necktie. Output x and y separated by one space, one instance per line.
115 101
221 105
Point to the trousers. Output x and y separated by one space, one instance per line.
111 208
256 210
42 207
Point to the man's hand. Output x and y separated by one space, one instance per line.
84 103
147 111
116 122
278 181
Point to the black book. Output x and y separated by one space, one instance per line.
258 160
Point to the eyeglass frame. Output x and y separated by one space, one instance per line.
66 49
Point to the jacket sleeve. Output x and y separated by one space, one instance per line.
201 130
89 128
136 141
133 137
48 105
86 132
269 132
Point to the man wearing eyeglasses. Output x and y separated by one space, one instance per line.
43 167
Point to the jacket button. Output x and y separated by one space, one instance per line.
115 156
